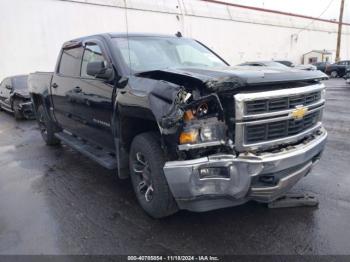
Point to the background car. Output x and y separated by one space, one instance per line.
291 64
338 69
14 97
322 66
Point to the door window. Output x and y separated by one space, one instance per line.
70 62
92 53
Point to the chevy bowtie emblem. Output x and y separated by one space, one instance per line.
299 112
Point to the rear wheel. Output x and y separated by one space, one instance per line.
147 176
47 128
15 106
334 74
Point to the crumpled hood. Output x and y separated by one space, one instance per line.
165 94
248 75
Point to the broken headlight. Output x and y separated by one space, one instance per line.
202 131
212 133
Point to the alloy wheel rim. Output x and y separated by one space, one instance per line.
142 170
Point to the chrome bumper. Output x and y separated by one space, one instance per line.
196 194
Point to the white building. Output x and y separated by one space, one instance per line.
315 56
32 31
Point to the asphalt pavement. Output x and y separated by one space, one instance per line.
53 200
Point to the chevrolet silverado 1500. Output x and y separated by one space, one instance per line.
191 131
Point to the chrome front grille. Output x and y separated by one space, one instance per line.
280 129
266 119
282 103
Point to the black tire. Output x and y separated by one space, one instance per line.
150 185
47 127
15 107
334 74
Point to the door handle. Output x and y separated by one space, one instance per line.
54 85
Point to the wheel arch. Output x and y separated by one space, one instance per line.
126 128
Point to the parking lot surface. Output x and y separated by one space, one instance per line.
53 200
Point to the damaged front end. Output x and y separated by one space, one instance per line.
223 155
191 112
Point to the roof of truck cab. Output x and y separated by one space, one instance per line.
112 35
75 41
140 34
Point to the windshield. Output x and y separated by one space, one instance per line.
156 53
20 82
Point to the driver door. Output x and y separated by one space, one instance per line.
96 97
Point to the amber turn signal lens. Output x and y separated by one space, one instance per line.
188 115
189 137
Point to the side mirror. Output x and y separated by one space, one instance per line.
99 70
8 87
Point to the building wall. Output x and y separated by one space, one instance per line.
32 31
320 57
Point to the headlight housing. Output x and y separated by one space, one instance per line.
203 131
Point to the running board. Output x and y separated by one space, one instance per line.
101 156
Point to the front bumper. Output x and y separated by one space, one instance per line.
263 177
26 108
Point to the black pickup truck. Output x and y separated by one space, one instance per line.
191 131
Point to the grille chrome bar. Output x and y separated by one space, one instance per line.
276 119
256 107
274 126
281 129
241 99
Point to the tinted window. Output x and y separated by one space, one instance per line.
71 61
274 64
92 53
286 63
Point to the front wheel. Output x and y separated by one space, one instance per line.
146 163
47 127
